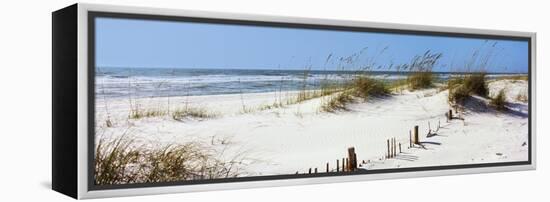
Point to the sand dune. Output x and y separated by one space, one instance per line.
299 136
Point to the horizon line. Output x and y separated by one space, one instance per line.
311 69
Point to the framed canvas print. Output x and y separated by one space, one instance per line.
150 101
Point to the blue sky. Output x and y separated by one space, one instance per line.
164 44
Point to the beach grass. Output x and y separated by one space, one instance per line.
365 86
477 84
137 113
191 112
458 94
328 88
176 114
174 162
499 101
274 105
398 85
461 87
122 161
337 102
362 86
114 161
304 93
420 80
421 67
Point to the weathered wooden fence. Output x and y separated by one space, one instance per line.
393 149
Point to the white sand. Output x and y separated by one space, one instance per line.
300 136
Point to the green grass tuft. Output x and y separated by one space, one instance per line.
458 94
137 113
337 102
461 87
420 80
421 67
364 87
191 112
499 101
477 84
114 161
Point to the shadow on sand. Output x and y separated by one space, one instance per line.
477 104
428 142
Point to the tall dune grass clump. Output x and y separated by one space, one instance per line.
328 88
121 161
175 162
116 161
421 67
461 87
364 86
458 94
398 85
474 83
337 102
477 84
499 101
420 80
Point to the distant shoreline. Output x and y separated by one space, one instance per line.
116 83
301 70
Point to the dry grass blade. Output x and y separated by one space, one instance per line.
115 161
191 112
121 161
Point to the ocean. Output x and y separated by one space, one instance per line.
162 82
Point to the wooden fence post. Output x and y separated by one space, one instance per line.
309 172
352 159
391 148
391 145
343 165
416 140
347 165
400 147
410 139
394 147
337 165
327 167
315 170
388 144
450 114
